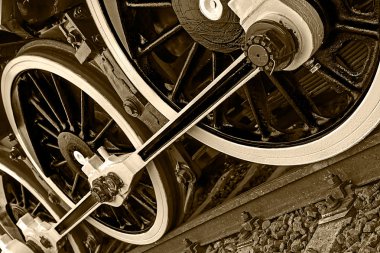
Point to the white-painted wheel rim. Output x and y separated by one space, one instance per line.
360 123
26 62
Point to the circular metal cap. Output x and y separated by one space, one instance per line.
258 55
74 150
79 157
211 9
270 46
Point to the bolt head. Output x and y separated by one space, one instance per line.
45 242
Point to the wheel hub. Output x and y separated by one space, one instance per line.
74 150
279 20
270 46
211 23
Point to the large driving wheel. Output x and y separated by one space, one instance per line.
171 50
62 112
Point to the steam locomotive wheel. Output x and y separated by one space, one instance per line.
172 49
62 112
20 193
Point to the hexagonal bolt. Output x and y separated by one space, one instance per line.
53 198
81 13
133 107
45 242
11 137
16 154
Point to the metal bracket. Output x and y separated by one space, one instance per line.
83 37
340 200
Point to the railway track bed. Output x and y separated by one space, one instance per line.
328 183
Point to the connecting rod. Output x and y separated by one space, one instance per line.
111 180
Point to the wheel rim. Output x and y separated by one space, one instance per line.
21 71
352 38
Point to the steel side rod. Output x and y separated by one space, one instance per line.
228 82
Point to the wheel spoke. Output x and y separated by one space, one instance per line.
75 184
63 98
147 192
143 203
86 115
36 208
51 146
44 114
47 99
47 130
257 97
102 132
161 39
116 215
179 84
23 196
59 164
155 4
136 219
295 98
